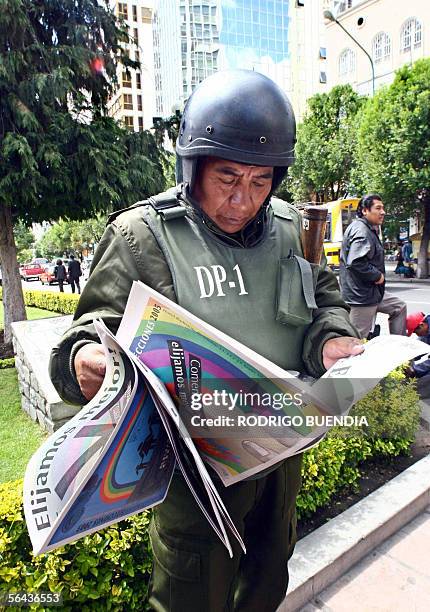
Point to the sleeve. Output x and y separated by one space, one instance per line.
330 320
120 259
358 261
421 366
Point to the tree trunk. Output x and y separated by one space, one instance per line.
13 299
422 271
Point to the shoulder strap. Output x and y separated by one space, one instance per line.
166 204
281 209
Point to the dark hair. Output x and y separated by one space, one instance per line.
72 257
366 202
59 262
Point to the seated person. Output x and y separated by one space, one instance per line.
418 323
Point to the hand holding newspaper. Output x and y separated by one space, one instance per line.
178 392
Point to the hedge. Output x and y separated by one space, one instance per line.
110 569
7 363
393 414
50 300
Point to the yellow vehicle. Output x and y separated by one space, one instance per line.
340 214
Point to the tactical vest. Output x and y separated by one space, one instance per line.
262 296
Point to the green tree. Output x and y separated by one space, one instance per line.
65 237
24 240
325 146
394 148
60 155
56 240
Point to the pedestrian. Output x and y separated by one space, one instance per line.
75 273
60 274
236 142
418 323
362 271
407 251
399 259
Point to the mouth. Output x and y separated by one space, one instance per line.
233 221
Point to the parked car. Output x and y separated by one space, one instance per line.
42 261
47 277
31 271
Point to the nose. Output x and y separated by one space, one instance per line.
240 197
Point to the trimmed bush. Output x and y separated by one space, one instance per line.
392 412
50 300
108 570
7 363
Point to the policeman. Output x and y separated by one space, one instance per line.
222 247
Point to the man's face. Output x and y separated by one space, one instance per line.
375 215
422 329
231 194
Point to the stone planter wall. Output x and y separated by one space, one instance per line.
33 342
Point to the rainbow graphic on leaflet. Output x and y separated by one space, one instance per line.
217 363
109 491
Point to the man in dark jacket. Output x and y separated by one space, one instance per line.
60 274
362 271
236 142
75 273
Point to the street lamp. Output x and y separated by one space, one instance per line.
330 17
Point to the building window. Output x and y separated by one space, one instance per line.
134 12
146 15
344 5
122 10
137 55
138 81
126 79
411 34
136 36
127 101
323 77
346 62
323 53
381 47
128 121
139 103
140 120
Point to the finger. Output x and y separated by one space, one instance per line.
356 349
90 385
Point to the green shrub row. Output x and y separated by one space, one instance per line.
50 300
110 569
393 414
7 363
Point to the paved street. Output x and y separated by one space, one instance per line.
416 293
36 284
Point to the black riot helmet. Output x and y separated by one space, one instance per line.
240 115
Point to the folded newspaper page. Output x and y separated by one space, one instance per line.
110 461
179 392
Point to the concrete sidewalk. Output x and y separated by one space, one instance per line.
395 577
374 557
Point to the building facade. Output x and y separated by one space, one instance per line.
308 65
133 102
194 38
392 36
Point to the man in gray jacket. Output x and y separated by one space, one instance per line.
362 271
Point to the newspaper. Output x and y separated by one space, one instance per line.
166 369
